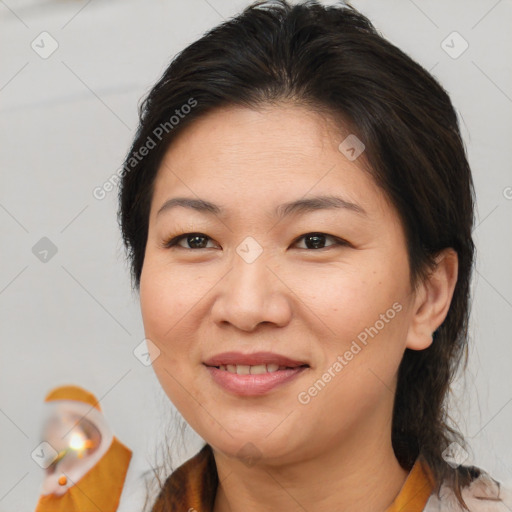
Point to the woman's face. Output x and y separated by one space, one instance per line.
324 284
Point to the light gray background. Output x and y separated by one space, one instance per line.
66 124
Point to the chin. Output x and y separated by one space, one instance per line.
256 448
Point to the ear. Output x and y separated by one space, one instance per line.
432 300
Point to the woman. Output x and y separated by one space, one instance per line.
297 207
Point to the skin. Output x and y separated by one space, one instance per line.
304 302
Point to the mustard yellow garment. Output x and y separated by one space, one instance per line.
194 484
99 490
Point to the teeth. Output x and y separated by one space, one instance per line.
242 369
260 368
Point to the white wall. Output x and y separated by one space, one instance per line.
66 123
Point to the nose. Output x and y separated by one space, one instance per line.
251 294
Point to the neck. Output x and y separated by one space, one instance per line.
361 473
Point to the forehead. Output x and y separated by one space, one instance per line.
232 134
240 156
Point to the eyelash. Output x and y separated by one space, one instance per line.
173 241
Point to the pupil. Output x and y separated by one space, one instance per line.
317 240
193 241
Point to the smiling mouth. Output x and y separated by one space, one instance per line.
254 380
242 369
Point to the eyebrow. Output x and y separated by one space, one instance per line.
299 206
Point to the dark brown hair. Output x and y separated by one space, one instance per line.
332 60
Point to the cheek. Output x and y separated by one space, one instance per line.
349 298
364 314
166 296
169 300
160 307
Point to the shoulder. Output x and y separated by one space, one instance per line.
483 494
192 485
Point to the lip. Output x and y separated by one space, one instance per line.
253 359
253 385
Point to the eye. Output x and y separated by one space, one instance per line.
194 240
199 241
317 240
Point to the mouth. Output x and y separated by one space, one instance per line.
258 369
257 360
253 374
